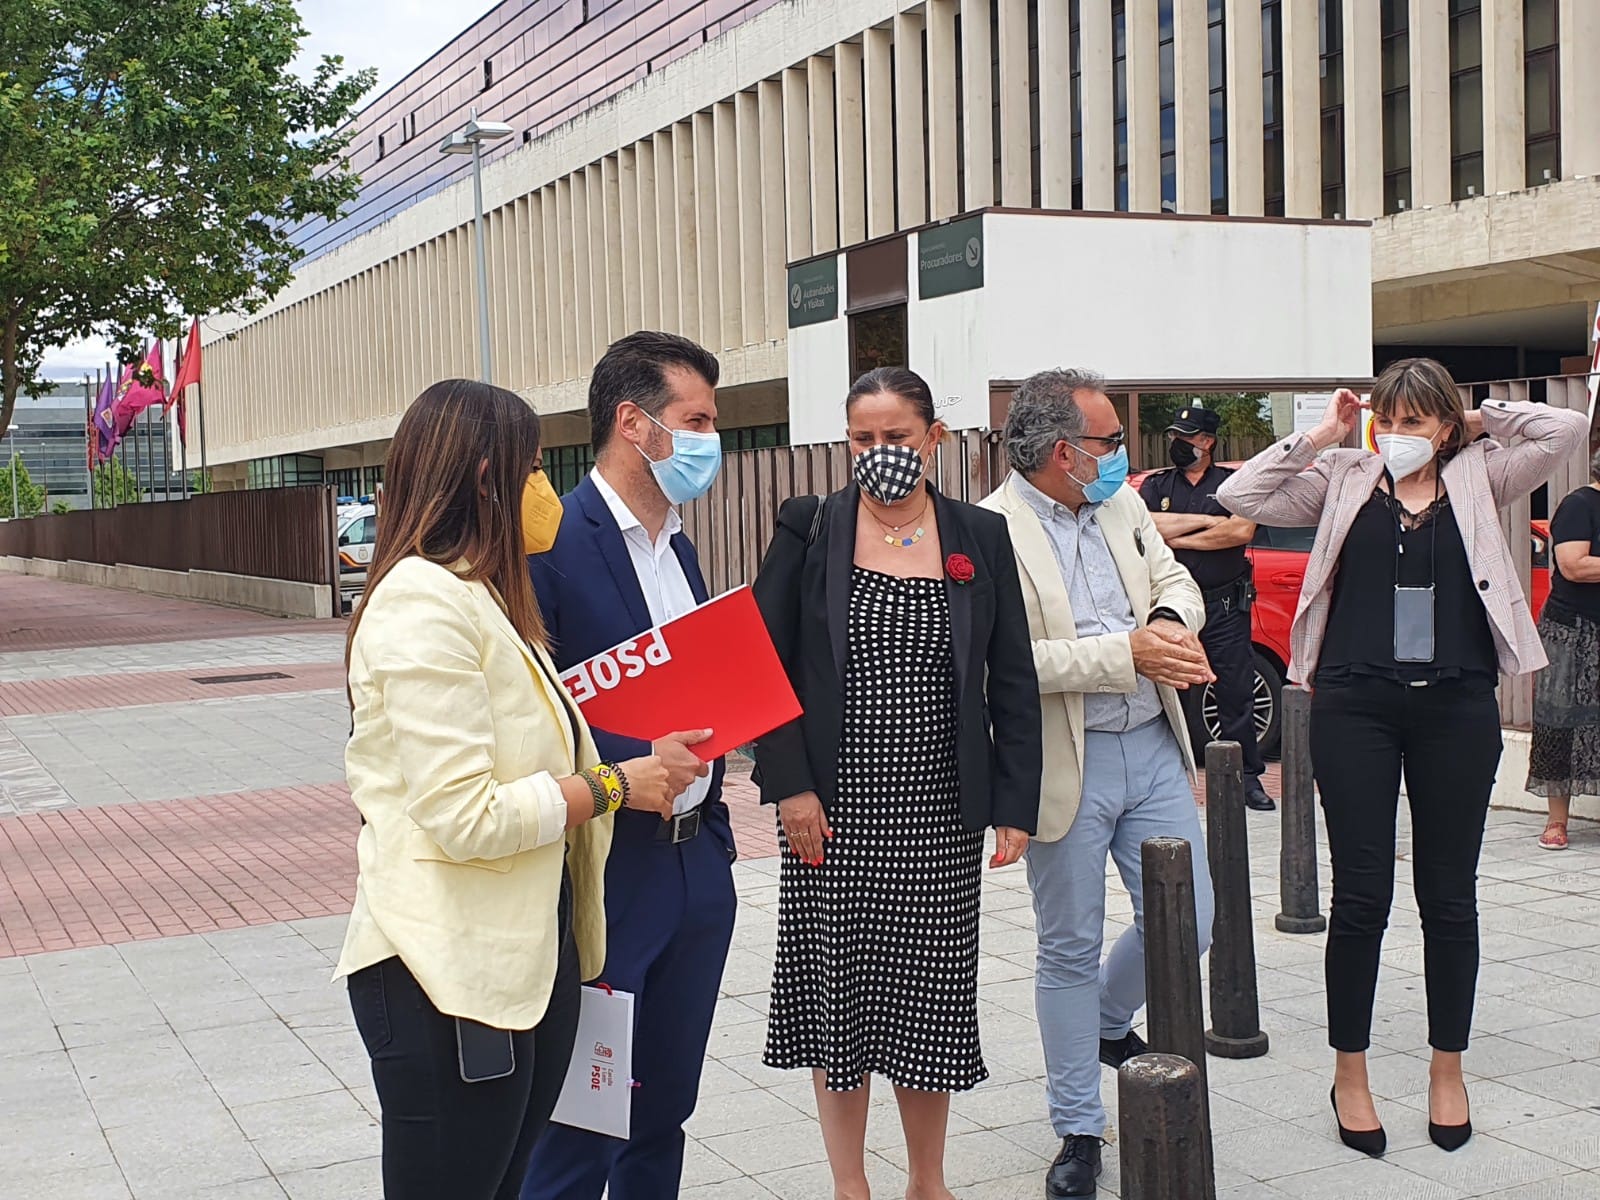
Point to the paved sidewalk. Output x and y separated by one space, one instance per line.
169 918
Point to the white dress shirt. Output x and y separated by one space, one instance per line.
665 586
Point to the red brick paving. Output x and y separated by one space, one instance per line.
100 876
47 614
82 692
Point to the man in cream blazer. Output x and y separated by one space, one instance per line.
1114 620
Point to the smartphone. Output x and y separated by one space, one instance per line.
485 1052
1413 624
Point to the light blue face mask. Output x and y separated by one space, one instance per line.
1112 474
689 471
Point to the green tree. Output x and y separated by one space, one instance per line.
114 484
30 496
61 508
157 154
200 483
1243 414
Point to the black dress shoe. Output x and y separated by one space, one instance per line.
1450 1137
1076 1168
1371 1142
1256 798
1115 1052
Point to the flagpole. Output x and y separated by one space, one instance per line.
177 402
200 412
88 433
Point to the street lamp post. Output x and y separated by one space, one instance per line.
469 139
16 510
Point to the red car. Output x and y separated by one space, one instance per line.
1278 557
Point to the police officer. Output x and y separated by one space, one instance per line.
1210 541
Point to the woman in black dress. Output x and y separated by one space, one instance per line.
899 617
1565 758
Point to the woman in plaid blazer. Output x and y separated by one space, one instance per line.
1410 608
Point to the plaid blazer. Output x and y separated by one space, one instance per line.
1289 484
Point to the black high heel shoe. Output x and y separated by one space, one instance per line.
1371 1142
1451 1137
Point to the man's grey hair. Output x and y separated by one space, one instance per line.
1045 411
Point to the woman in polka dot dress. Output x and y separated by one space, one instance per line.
899 617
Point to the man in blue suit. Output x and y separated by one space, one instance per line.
621 565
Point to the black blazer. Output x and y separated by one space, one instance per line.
803 590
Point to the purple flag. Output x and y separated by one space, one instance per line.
105 422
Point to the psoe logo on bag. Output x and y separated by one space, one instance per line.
627 661
601 1050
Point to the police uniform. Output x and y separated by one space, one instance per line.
1224 580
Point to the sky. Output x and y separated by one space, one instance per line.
391 35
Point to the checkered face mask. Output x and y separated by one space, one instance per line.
890 473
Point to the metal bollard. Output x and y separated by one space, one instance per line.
1235 1012
1297 860
1164 1144
1172 962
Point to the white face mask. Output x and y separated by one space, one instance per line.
1404 454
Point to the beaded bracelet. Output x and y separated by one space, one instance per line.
602 802
615 783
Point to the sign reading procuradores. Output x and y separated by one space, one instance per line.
814 292
950 258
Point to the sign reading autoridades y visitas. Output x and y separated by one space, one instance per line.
950 258
814 292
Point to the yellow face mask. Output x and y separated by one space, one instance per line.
541 514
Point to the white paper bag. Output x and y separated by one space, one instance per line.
598 1092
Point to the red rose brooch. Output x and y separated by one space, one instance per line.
959 567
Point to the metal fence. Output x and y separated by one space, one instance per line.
279 533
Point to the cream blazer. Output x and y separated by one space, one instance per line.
1068 665
459 738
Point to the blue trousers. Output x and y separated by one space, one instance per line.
669 919
1134 787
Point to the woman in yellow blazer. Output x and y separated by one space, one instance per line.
478 905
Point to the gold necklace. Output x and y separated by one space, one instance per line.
891 533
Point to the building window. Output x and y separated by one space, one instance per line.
1394 20
755 437
527 136
1331 25
488 74
1542 83
1119 100
1077 104
380 145
565 466
1167 73
1466 98
878 339
1216 41
1272 106
286 470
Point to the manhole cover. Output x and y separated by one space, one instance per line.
255 678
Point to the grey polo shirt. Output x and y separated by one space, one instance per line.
1099 603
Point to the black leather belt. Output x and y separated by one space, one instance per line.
1236 594
683 827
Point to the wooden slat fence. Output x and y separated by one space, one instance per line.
276 533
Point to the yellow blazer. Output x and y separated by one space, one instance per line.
459 739
1067 665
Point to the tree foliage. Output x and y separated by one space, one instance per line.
1243 414
61 508
154 157
115 484
30 496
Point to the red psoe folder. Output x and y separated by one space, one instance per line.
714 668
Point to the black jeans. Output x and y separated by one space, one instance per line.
1226 638
1446 739
441 1136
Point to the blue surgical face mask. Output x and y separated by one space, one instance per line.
1113 473
689 471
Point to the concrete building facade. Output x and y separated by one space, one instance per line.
676 189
